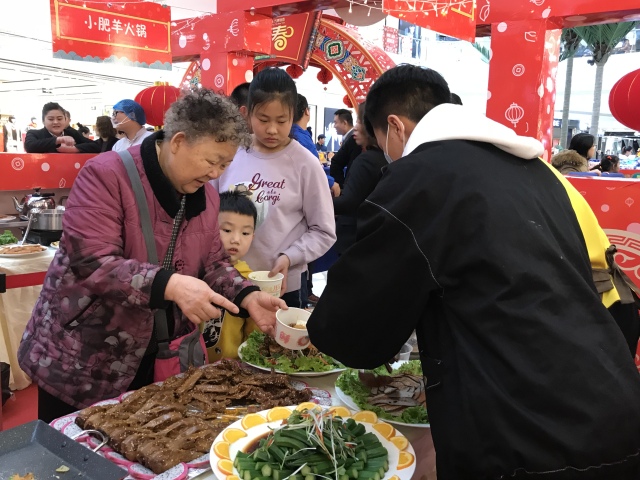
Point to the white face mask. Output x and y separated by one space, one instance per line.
117 124
386 146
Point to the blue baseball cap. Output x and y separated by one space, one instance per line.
131 109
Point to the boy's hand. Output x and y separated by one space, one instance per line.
281 266
195 298
263 307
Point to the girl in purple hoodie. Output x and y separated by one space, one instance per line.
287 184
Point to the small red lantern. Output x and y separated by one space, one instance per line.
347 101
325 76
624 100
294 71
156 101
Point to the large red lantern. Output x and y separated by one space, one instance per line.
624 100
347 101
156 101
325 76
294 71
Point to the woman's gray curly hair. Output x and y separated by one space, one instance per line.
203 113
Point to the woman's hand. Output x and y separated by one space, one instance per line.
195 298
281 266
263 307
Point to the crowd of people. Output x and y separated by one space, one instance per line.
444 222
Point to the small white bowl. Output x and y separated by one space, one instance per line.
288 336
270 285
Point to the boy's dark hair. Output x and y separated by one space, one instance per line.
301 107
582 143
240 94
455 99
51 106
272 84
405 90
344 115
238 202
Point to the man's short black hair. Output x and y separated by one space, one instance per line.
322 136
51 106
240 95
405 90
301 107
344 115
235 201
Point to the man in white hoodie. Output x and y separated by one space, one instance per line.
471 240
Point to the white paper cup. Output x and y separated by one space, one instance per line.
405 352
288 336
270 285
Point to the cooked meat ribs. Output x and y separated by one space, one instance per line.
161 426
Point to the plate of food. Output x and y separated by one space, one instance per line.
19 251
165 430
6 218
329 443
399 398
262 352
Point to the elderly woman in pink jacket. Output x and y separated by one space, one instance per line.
91 335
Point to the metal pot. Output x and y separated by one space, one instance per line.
34 200
48 220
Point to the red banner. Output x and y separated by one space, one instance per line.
26 171
133 33
448 17
292 37
390 40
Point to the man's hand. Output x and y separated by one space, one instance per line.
67 149
195 298
335 190
281 266
263 307
65 140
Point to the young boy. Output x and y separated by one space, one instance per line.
237 220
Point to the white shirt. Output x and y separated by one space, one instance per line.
125 143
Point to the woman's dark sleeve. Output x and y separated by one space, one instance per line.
33 144
363 177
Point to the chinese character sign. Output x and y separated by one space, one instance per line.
292 37
135 34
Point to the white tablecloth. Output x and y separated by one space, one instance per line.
420 438
15 310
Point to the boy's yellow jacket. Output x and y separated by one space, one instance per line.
234 330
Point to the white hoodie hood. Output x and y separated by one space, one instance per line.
457 122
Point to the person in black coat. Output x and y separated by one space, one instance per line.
362 178
106 134
349 150
471 240
54 137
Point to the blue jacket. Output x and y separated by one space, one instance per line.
304 138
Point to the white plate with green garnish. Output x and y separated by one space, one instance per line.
261 352
327 443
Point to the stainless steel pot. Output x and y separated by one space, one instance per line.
48 220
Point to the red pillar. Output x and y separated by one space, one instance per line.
522 78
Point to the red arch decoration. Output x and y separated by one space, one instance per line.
354 61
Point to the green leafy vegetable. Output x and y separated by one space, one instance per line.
350 384
7 238
291 362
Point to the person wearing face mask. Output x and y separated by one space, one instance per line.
12 135
129 118
56 136
482 248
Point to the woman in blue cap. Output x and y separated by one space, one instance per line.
128 117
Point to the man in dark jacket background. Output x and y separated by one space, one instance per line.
349 150
471 240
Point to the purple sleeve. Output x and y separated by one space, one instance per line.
93 232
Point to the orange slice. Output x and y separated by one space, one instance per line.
235 477
366 416
226 466
401 442
307 406
251 420
221 449
278 413
340 412
384 429
406 460
233 434
395 477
